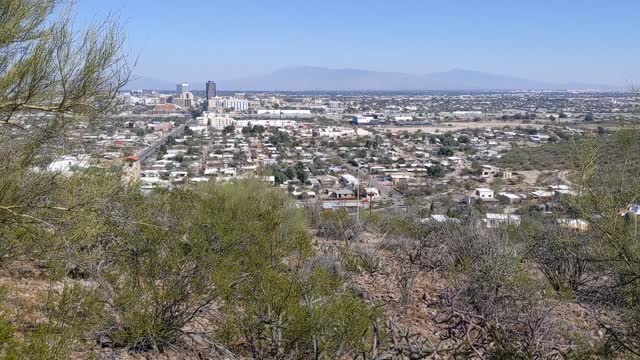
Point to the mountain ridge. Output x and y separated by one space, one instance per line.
313 78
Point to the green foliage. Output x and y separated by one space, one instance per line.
445 151
253 130
561 255
301 173
161 262
255 230
162 150
361 260
564 156
290 173
67 316
606 187
280 176
301 315
339 225
281 139
133 271
398 224
436 171
9 349
46 66
448 140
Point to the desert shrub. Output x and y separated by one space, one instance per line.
340 225
146 257
313 210
329 262
494 307
607 182
293 304
397 244
67 74
220 236
361 260
563 257
289 308
138 272
399 224
162 262
396 342
293 316
452 245
65 316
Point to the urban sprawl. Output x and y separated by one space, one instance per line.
502 152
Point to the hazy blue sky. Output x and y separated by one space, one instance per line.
559 41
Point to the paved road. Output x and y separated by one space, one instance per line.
151 150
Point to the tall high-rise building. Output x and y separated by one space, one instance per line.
182 88
211 89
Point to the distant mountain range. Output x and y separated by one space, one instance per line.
142 82
307 78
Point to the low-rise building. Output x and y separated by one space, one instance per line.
497 220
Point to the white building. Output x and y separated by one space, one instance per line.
231 103
363 119
496 220
184 100
215 120
150 101
68 164
182 88
287 112
467 114
481 194
484 193
539 138
574 224
335 132
266 123
349 180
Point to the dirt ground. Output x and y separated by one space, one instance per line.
417 313
460 125
529 177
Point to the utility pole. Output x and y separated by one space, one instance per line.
358 196
370 196
204 156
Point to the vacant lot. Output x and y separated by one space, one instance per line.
454 126
546 157
563 156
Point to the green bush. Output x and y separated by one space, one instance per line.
66 316
340 225
360 260
165 261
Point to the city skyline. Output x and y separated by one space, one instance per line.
542 41
319 180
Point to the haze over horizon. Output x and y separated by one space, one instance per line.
312 78
543 41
